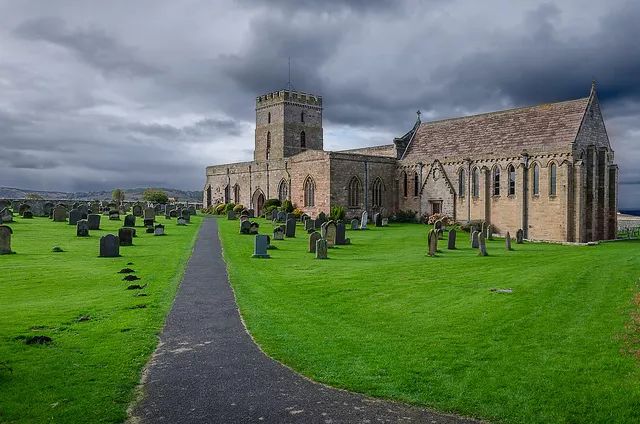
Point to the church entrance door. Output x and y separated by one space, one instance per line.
258 202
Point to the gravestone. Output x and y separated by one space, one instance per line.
437 225
186 215
74 216
27 214
274 214
385 222
47 208
93 220
173 213
313 238
181 221
309 224
260 246
317 223
341 234
278 233
109 246
125 234
23 208
114 215
290 230
474 239
363 220
482 245
82 228
6 215
5 240
483 227
440 233
377 219
148 223
432 240
520 236
507 241
84 210
328 232
291 216
282 216
321 249
130 221
192 210
355 224
251 212
322 217
158 230
59 214
244 226
489 232
254 228
244 218
451 245
149 214
230 215
150 229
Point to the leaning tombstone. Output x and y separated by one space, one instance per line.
520 236
130 221
474 239
355 224
74 216
482 245
507 241
290 229
377 219
260 246
278 233
452 239
59 214
432 239
158 230
245 226
313 238
5 240
321 249
126 236
93 220
82 228
363 220
109 246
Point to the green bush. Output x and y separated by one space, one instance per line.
268 210
404 216
287 206
238 208
220 208
229 206
337 212
272 202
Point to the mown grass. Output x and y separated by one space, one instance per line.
381 318
89 372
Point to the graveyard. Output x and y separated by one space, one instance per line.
76 328
481 336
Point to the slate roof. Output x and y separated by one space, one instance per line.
550 127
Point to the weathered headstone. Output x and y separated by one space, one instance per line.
130 221
186 215
148 223
84 210
322 217
114 215
483 227
341 234
321 249
432 240
6 215
282 216
23 208
278 233
260 246
192 210
74 216
244 218
173 213
309 225
438 225
355 224
363 220
158 230
328 232
5 240
149 213
451 245
254 228
230 215
251 212
290 230
474 239
109 246
47 208
385 222
126 236
82 228
274 214
93 220
520 236
489 232
313 238
27 214
244 226
59 214
482 245
507 241
377 219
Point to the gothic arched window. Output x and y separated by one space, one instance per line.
376 191
303 140
462 183
405 189
268 144
475 183
236 194
536 179
553 174
416 184
354 192
309 192
512 180
283 191
496 180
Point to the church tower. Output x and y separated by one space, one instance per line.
287 123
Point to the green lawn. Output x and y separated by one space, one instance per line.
89 372
381 318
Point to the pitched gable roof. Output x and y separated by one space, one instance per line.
544 128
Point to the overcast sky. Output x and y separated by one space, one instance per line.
103 94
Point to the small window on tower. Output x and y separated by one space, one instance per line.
303 140
302 116
269 118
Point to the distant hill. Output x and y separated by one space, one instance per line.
130 194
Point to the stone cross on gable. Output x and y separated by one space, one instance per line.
418 113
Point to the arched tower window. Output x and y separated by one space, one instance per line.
416 184
303 140
354 192
268 145
553 174
269 118
236 194
226 194
512 180
536 179
405 189
496 181
376 192
462 183
309 192
475 183
283 190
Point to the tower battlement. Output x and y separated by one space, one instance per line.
281 96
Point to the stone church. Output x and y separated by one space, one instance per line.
548 169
